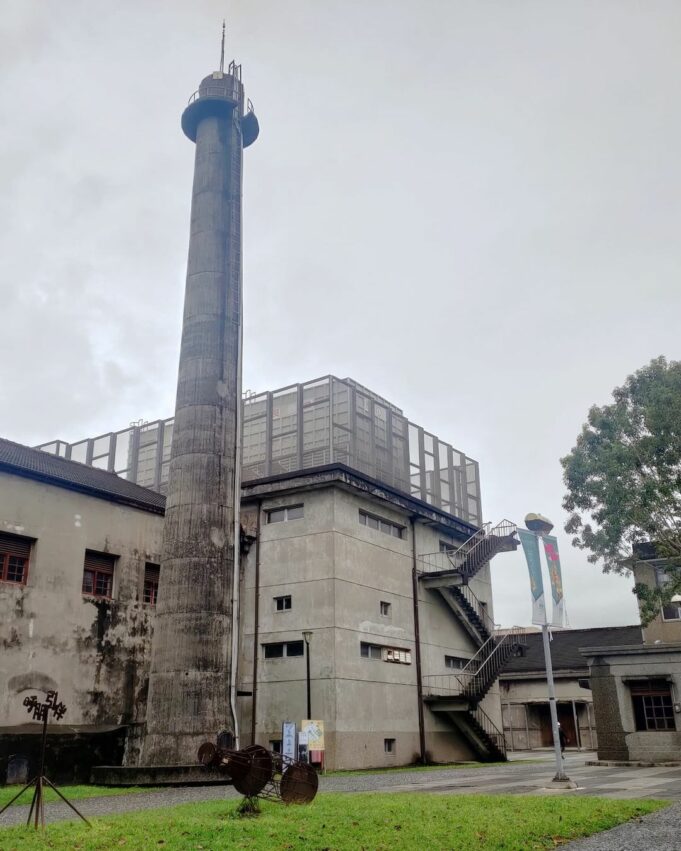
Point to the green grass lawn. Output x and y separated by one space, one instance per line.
341 822
71 792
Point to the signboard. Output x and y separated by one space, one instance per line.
531 549
302 746
288 739
314 734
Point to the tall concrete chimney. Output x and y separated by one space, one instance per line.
192 680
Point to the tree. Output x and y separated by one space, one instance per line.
623 478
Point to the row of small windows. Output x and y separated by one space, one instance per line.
381 524
281 649
385 654
98 569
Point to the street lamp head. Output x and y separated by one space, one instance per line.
538 523
307 635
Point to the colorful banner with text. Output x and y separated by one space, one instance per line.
530 544
556 576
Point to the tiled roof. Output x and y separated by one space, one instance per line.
565 646
30 463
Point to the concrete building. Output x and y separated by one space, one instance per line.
79 555
524 691
328 549
636 688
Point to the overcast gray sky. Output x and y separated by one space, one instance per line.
471 207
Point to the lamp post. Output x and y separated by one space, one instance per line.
307 635
539 526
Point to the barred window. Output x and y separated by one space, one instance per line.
653 705
98 573
151 576
381 524
15 552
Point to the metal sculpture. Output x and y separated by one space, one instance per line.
41 712
259 773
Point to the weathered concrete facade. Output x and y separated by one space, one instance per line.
349 583
94 651
190 686
340 576
621 679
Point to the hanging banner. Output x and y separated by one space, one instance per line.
556 576
531 549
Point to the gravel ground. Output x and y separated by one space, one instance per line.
658 832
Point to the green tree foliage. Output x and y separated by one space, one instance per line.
623 477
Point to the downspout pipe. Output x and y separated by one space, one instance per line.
417 644
256 623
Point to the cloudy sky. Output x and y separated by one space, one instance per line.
472 207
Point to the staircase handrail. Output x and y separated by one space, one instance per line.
478 668
490 728
503 529
478 606
446 560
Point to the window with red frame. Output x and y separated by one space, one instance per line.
151 576
14 555
98 573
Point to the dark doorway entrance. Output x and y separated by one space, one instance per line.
566 719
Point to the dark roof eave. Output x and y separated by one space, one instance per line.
79 487
340 474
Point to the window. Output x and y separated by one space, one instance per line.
446 547
653 705
385 654
98 574
672 611
282 604
385 608
279 649
455 662
389 745
283 515
151 576
381 525
14 555
370 651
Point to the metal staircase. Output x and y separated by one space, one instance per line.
459 695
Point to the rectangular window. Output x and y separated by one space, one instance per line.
389 745
446 547
653 705
14 555
151 577
455 662
370 651
282 604
671 611
283 515
381 524
385 608
279 649
98 572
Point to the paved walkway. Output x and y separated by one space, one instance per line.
512 778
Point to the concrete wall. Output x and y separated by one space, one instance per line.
658 629
337 572
95 652
611 673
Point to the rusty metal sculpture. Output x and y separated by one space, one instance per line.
259 773
41 712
